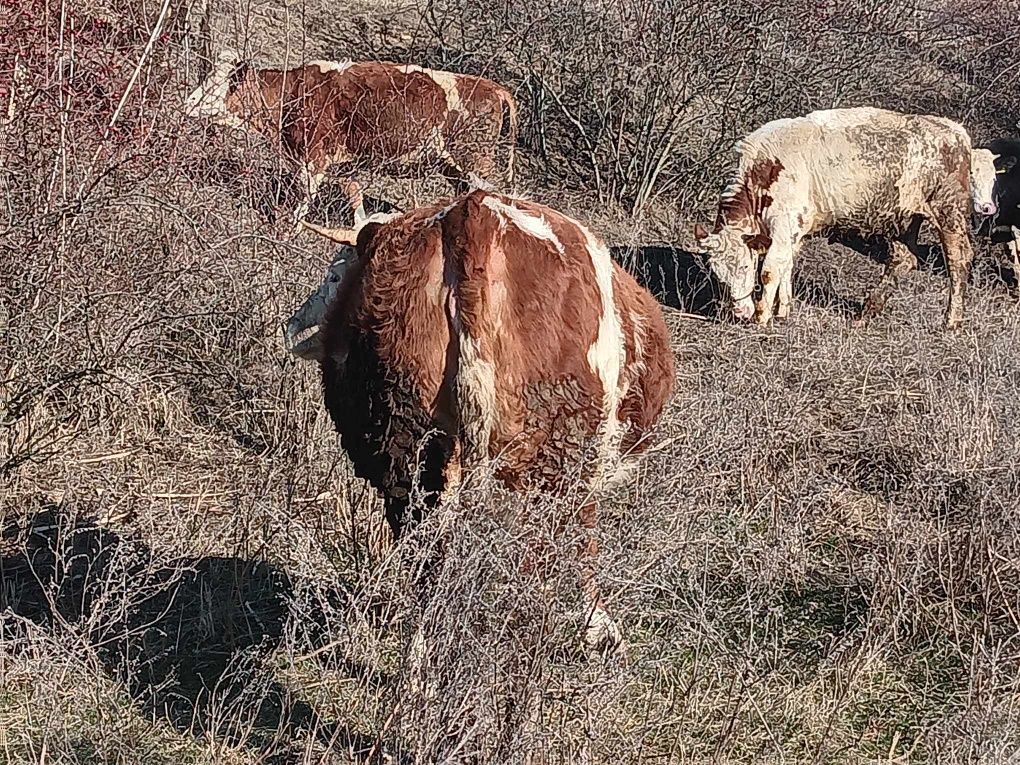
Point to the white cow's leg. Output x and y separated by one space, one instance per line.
778 261
786 284
959 256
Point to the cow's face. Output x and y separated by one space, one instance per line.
982 182
210 99
1007 186
301 332
345 265
733 264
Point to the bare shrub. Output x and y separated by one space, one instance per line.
639 99
820 567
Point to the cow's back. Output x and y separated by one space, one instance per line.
370 111
536 292
865 167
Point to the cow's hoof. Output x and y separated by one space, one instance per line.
602 635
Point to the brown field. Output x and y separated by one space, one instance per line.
822 565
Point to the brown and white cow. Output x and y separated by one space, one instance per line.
491 332
867 170
373 115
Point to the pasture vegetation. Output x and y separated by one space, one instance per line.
822 565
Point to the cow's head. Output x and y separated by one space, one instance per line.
982 182
1007 182
301 332
211 99
733 263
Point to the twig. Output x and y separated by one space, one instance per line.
377 744
138 68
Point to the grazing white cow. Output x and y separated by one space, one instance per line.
866 170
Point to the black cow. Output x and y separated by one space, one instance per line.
1005 226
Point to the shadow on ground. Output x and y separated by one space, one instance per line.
677 278
188 638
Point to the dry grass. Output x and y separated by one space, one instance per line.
823 566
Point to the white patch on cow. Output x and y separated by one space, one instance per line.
475 389
982 180
445 80
209 100
448 82
476 398
606 356
332 66
534 225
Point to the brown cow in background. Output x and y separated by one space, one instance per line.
371 116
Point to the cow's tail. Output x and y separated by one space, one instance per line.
508 132
473 379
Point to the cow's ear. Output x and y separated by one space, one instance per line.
700 232
1007 163
366 235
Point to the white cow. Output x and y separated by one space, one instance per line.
867 170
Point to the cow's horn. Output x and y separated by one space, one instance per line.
338 235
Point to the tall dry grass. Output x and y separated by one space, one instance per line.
821 567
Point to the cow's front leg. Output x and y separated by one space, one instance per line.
309 180
959 256
777 267
1013 245
786 289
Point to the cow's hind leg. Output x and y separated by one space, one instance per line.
900 263
601 631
